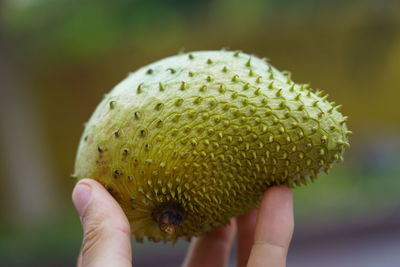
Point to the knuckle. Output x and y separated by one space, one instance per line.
270 245
93 233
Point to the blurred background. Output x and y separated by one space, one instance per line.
59 57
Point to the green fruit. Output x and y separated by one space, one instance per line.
190 141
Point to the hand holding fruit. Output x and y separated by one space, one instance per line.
263 235
188 142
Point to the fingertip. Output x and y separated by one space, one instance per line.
223 233
91 199
211 249
106 227
82 193
274 228
96 187
89 182
275 219
283 190
277 196
81 196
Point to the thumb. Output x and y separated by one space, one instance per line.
106 230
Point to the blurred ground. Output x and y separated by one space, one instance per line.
58 58
369 245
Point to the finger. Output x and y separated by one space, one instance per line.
274 229
211 249
106 230
246 225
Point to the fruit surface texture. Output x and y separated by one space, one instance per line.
190 141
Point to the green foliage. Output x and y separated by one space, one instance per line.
82 27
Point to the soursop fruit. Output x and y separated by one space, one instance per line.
190 141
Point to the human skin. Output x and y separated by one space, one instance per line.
263 234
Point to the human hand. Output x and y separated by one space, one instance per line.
106 230
263 234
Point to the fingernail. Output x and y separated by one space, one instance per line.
81 196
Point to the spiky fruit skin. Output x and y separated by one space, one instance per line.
190 141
